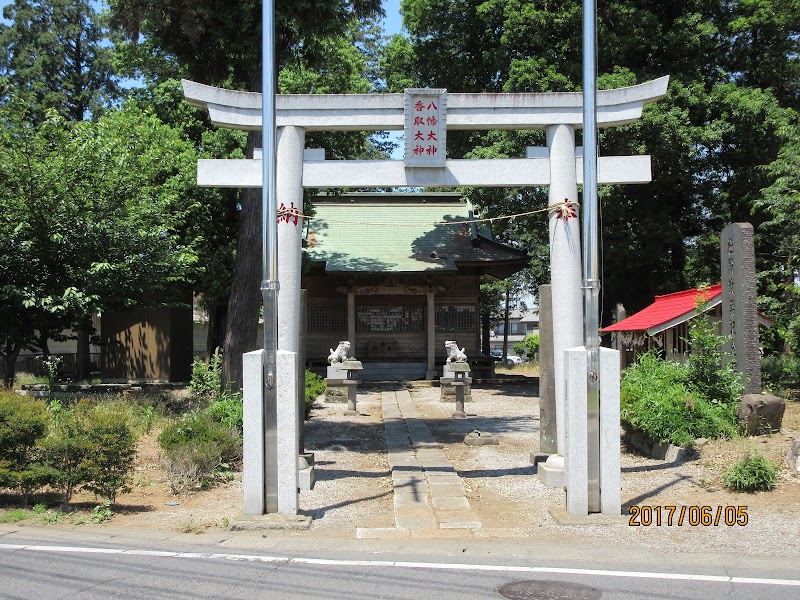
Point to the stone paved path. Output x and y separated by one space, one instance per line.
428 493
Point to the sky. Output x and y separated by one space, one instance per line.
392 22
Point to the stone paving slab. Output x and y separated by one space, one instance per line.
429 496
441 503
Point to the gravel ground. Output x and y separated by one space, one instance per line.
505 494
353 484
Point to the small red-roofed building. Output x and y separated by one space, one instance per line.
664 324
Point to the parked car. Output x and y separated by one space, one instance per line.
497 355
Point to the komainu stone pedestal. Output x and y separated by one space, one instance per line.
342 387
455 383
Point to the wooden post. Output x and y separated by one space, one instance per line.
430 323
351 319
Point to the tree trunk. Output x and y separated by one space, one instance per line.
10 355
41 341
82 358
505 327
485 333
241 327
215 337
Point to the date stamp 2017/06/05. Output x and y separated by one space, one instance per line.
644 516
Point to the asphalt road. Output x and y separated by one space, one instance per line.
39 564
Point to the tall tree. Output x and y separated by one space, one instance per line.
56 51
213 223
94 218
710 138
219 43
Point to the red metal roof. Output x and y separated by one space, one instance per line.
665 309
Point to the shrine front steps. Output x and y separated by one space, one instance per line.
392 371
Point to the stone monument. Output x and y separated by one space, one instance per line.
739 310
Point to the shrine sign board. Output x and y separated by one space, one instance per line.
425 131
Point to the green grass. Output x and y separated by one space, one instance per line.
23 378
753 473
14 516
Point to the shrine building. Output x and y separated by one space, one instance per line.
391 275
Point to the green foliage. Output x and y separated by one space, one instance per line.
710 369
92 447
676 402
528 347
723 94
23 421
55 52
206 377
220 42
754 473
195 447
102 512
199 427
14 516
52 371
92 218
112 450
228 409
53 516
656 399
145 417
781 372
315 386
22 378
778 288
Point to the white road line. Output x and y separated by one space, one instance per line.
404 564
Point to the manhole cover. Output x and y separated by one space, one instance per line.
548 590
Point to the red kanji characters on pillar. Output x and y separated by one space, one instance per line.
287 214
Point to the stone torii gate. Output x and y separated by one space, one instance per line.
558 165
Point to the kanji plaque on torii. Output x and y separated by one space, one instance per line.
425 127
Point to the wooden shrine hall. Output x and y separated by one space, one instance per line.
390 275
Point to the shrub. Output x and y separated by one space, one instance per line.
655 399
315 386
92 447
710 369
112 450
195 446
189 465
753 473
51 366
781 372
528 347
66 449
206 377
228 409
22 423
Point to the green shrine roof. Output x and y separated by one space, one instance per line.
383 233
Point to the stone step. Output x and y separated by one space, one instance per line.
392 371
